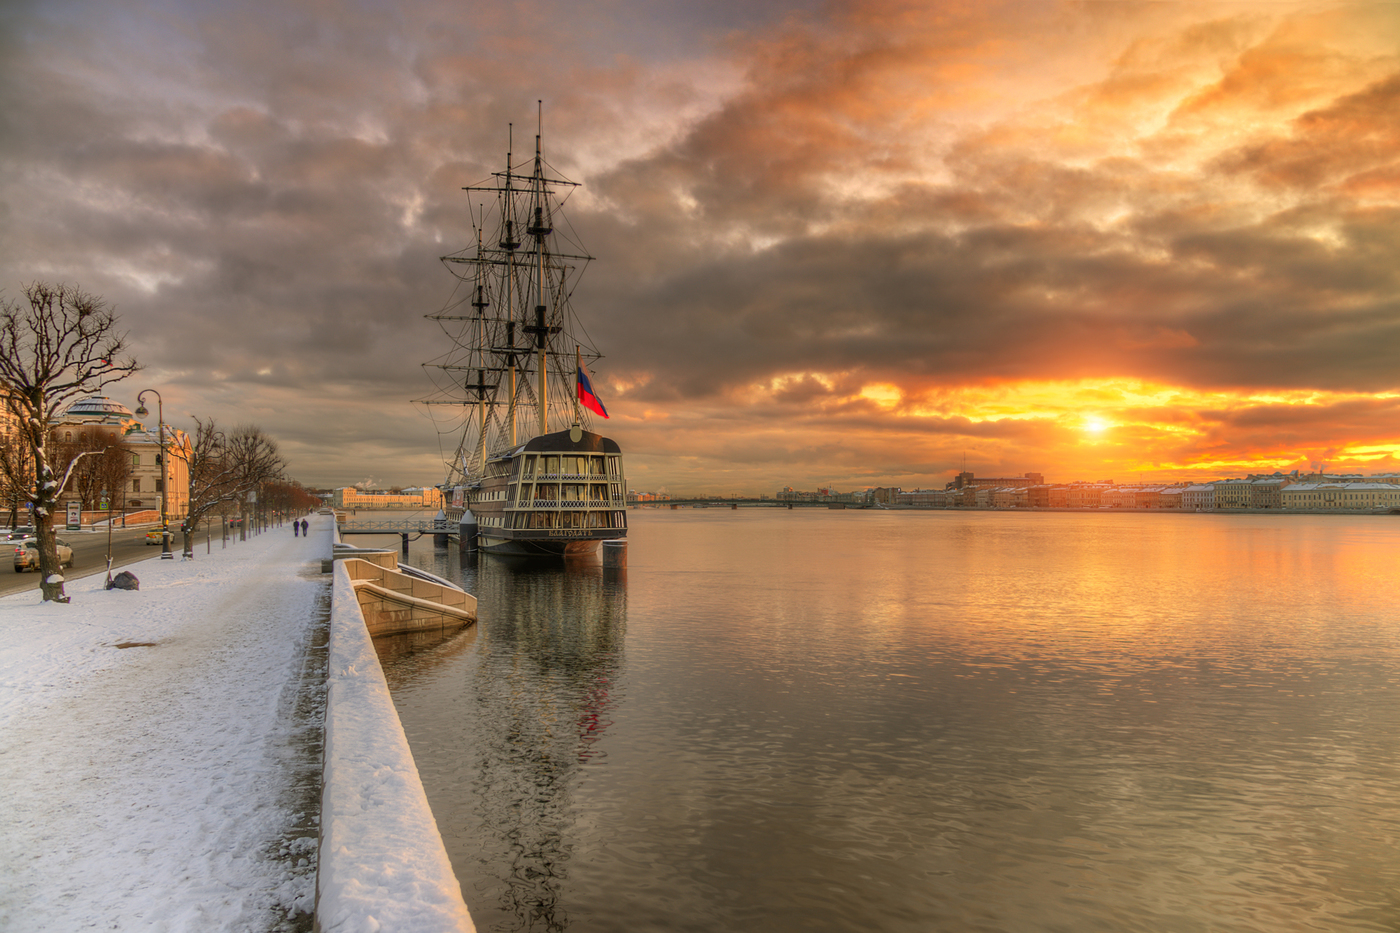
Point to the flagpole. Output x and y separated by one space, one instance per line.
578 374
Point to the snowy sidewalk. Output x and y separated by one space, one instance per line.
164 786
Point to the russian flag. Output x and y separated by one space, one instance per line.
586 396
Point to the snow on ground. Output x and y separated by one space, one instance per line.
154 787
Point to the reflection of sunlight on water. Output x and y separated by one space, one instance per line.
866 721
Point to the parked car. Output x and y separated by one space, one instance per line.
27 555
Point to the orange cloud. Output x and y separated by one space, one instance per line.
880 434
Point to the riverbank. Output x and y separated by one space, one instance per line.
161 766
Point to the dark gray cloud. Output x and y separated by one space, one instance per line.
789 205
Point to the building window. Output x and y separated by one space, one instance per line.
136 484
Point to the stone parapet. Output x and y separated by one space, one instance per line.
383 558
382 863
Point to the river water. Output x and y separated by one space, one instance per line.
924 721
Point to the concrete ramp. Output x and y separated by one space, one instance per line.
395 603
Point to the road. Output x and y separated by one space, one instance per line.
90 554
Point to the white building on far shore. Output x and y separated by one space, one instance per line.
1360 496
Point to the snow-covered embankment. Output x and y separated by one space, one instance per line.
382 862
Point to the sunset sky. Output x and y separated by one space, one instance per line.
844 244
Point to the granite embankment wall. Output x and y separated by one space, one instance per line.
382 863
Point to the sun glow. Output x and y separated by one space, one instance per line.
1085 429
884 395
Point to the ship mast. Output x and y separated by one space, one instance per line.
541 227
509 244
480 305
539 230
508 334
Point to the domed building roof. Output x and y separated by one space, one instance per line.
99 407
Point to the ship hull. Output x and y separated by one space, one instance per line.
537 547
558 495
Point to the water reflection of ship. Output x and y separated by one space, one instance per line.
551 654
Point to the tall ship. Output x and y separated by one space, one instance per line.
526 473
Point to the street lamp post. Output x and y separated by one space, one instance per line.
142 411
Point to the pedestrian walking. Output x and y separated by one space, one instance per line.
296 529
303 526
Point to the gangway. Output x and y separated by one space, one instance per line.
403 527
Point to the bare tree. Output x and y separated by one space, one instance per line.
255 456
57 346
110 475
223 469
289 497
93 477
16 474
213 480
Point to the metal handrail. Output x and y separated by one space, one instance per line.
418 525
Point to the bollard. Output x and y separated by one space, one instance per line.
614 555
466 532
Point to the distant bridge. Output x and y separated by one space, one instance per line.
408 528
702 502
